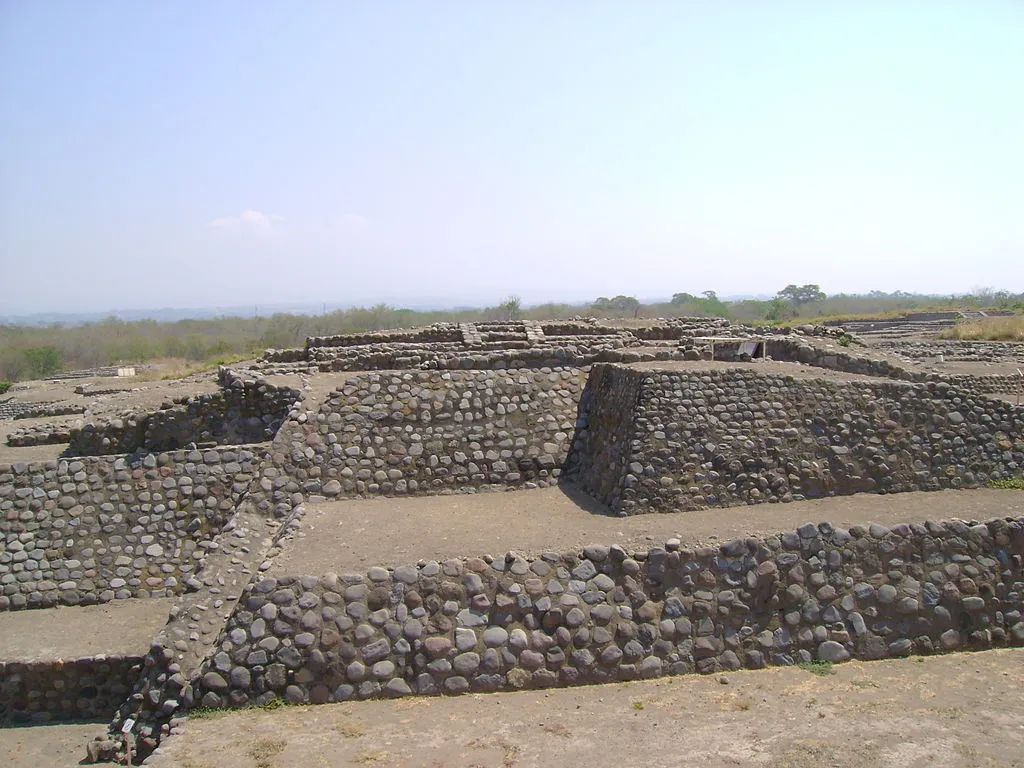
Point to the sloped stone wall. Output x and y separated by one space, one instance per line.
82 531
706 438
426 432
605 614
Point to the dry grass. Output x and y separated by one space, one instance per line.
263 751
350 729
169 368
372 757
988 329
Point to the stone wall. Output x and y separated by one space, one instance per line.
246 410
706 438
426 432
971 351
41 434
86 688
16 410
802 351
439 333
604 614
82 531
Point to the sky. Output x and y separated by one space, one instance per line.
229 153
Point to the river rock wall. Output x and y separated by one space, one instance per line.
425 432
603 614
677 440
246 410
90 530
86 688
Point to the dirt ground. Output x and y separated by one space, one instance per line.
956 710
356 534
69 632
48 746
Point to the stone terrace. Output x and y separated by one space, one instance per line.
256 511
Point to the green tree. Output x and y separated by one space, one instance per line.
712 306
798 295
777 309
680 299
512 307
618 305
43 361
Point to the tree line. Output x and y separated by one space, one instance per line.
30 352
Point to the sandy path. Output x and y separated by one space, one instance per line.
353 535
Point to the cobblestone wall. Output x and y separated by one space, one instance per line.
426 432
40 691
82 531
736 437
246 410
603 614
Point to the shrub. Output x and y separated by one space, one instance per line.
43 361
4 386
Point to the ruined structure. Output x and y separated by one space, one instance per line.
189 502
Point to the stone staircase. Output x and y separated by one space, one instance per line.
189 640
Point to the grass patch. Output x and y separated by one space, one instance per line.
350 729
864 683
263 751
205 713
1009 483
1009 328
372 757
820 668
638 705
557 729
172 368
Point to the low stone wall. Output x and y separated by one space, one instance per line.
91 530
676 440
246 410
41 434
604 614
16 410
426 432
86 688
794 350
442 332
972 351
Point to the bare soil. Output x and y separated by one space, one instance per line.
48 746
956 710
66 632
353 535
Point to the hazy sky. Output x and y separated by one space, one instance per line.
193 153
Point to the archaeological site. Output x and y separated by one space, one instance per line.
503 506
